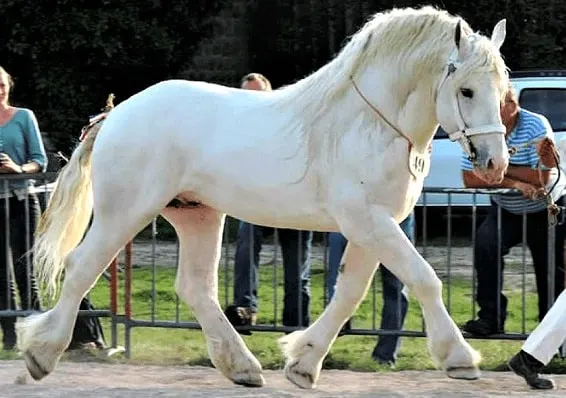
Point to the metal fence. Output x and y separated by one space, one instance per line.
451 256
20 208
142 276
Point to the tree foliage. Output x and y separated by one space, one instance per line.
68 55
303 35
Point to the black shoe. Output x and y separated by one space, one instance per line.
390 363
482 327
241 317
9 340
528 367
345 328
383 362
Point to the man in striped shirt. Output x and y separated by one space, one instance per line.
528 134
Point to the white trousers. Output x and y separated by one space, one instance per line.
549 335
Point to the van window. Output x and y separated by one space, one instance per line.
550 102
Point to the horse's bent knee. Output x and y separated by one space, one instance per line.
431 286
195 293
184 292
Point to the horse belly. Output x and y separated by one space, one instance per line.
261 189
292 209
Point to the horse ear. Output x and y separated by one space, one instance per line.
461 41
368 41
499 32
458 34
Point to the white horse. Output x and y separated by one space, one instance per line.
344 149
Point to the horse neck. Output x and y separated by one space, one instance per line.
404 95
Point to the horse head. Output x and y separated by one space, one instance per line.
469 97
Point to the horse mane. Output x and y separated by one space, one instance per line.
401 36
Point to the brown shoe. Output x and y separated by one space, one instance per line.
241 318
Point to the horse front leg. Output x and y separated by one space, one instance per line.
305 350
371 240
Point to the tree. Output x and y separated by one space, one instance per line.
68 56
307 33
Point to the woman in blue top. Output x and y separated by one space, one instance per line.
21 152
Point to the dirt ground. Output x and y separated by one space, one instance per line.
88 379
85 380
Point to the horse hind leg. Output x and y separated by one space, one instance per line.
43 338
200 240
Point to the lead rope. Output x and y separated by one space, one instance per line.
409 141
380 115
552 208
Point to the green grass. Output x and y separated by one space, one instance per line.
174 346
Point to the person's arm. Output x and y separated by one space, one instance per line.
529 175
471 180
529 191
37 158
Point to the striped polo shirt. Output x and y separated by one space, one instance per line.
530 128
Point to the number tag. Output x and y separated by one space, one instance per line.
419 163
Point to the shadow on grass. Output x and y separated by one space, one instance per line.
201 361
331 362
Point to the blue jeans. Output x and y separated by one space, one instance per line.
395 301
296 249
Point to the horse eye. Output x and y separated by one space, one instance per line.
466 92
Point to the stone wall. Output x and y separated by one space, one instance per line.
223 57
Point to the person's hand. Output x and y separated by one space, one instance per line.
530 191
7 165
547 153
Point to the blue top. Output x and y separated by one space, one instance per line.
21 140
530 128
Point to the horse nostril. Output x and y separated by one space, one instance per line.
490 164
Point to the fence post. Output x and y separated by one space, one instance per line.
128 298
114 301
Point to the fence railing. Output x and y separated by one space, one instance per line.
20 208
145 269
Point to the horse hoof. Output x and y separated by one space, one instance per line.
464 373
249 379
299 377
36 371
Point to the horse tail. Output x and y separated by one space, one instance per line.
63 224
